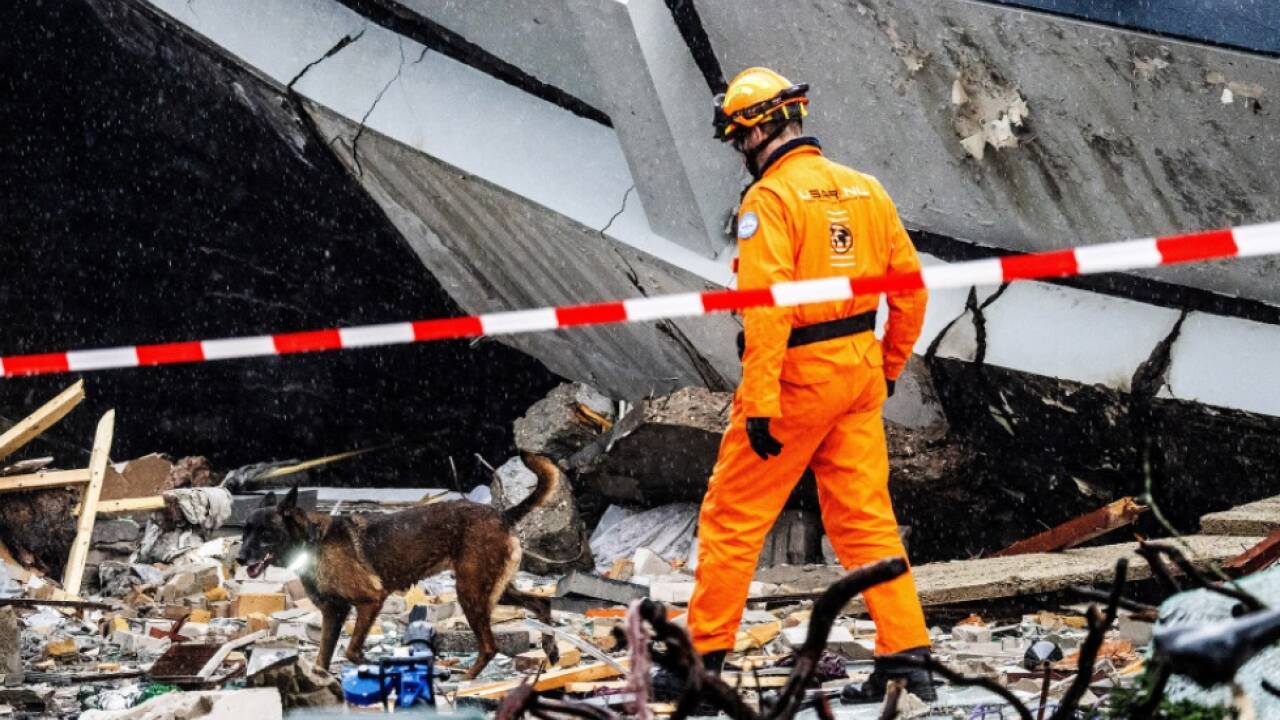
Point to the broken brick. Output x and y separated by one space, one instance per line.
264 603
61 647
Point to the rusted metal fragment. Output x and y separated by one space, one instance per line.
1259 557
1080 530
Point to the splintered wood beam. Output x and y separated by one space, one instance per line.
35 481
1082 529
128 505
25 602
213 663
74 572
42 419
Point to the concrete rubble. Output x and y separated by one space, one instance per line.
176 629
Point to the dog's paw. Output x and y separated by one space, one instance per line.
357 657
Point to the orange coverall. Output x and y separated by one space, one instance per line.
808 218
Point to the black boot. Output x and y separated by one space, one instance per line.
919 681
668 687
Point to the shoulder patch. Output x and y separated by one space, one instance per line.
747 225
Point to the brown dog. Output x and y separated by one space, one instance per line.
356 561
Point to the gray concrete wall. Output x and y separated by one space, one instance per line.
1126 135
628 60
661 109
541 37
493 250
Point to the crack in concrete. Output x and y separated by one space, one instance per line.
1152 373
1002 415
973 307
337 47
295 99
402 20
980 319
1150 376
618 214
706 371
355 141
689 24
631 273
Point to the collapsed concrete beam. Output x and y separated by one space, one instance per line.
462 228
658 98
981 579
630 60
1091 388
1038 185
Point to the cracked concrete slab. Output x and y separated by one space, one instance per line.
958 581
1067 333
494 250
1226 362
1100 156
1255 518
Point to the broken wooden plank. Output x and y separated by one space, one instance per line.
128 505
26 602
535 661
43 479
589 688
1079 530
215 661
89 503
576 641
552 680
27 466
751 681
1258 557
45 417
757 636
314 463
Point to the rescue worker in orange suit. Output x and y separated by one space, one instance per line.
814 378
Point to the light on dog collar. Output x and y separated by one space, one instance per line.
300 561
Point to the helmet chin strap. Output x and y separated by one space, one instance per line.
749 155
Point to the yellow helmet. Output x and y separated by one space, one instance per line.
757 95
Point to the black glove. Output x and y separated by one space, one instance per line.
762 441
890 384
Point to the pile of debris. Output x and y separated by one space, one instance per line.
153 617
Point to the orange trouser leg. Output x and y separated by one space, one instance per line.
852 467
744 496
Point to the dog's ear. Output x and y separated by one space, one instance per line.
268 500
290 500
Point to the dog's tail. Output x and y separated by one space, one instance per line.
548 477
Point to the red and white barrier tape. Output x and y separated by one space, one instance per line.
1244 241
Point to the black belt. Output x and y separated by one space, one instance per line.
832 329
